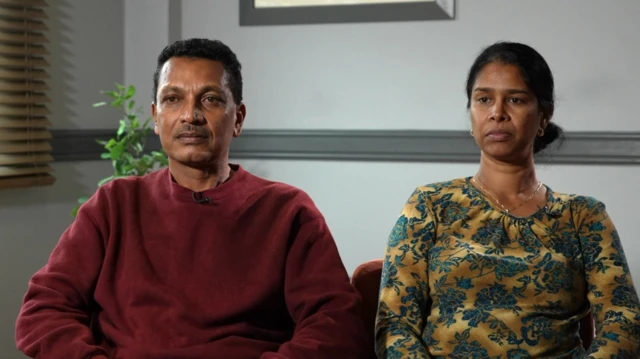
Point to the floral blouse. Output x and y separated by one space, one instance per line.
463 279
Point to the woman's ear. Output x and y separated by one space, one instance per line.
544 122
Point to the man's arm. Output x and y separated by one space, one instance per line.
54 319
321 300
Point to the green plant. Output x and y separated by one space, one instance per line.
127 149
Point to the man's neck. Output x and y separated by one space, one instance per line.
200 179
506 179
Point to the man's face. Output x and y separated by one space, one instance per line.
195 114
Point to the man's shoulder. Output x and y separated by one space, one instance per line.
283 194
131 184
275 188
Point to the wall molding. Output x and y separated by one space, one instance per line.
604 148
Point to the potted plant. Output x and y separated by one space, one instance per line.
127 149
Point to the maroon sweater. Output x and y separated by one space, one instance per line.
255 273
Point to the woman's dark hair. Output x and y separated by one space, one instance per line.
537 75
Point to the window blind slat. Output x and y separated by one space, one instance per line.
10 171
22 25
38 3
22 62
42 179
23 99
24 146
6 49
23 38
23 86
20 159
23 110
25 74
21 12
7 122
24 135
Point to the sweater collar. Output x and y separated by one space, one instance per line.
233 185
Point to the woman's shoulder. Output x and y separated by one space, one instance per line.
576 203
440 190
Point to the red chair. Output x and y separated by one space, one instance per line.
366 279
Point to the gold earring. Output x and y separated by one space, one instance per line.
471 132
541 132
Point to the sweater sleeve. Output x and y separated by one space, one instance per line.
612 294
321 300
404 289
54 319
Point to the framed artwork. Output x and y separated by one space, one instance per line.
298 12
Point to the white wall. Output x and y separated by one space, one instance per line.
86 57
146 33
411 76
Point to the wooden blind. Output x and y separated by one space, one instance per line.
25 151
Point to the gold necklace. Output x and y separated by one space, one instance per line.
507 210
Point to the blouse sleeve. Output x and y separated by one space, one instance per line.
404 289
612 295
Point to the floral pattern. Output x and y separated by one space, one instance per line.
462 279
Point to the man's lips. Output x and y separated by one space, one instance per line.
192 135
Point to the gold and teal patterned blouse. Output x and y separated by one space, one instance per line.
463 279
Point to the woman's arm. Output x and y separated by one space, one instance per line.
612 294
404 289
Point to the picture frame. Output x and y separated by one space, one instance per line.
301 12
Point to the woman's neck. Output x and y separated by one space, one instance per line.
505 179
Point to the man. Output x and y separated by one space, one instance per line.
201 260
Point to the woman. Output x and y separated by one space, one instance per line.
498 265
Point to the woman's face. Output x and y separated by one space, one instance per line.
505 115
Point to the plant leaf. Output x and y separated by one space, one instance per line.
112 142
113 94
99 104
117 102
121 128
131 91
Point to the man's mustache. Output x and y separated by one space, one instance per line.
191 130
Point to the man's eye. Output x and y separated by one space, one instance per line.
213 99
